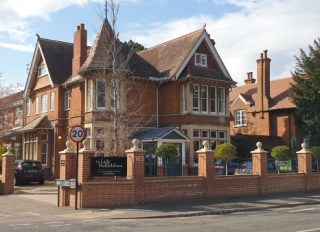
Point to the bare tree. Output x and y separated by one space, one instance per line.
10 99
124 113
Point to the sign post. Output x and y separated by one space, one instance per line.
77 135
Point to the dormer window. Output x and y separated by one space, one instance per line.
201 60
42 70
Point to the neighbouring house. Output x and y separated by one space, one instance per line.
11 118
264 110
175 92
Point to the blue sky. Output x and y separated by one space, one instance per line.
242 29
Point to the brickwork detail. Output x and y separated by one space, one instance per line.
97 192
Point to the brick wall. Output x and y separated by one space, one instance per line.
97 192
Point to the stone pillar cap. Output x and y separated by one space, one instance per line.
259 149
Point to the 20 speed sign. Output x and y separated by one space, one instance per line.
78 134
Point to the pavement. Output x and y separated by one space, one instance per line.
47 193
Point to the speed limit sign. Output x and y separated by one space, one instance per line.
78 134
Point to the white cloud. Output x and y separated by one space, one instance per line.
18 47
282 27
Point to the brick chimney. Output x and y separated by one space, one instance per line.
79 48
250 79
263 82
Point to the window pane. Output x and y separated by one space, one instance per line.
213 104
44 103
221 98
204 98
52 96
101 93
195 98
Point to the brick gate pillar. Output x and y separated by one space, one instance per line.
305 165
135 171
84 170
8 159
206 167
67 172
260 165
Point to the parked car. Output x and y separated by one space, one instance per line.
246 167
220 166
26 171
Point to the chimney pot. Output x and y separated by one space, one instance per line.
265 54
78 28
82 26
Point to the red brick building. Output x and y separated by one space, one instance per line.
265 109
180 86
11 120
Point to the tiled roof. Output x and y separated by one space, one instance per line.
103 44
169 56
156 133
279 93
41 123
58 56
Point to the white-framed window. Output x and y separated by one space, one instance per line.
44 103
213 99
185 98
44 149
196 133
37 105
201 60
196 97
99 140
205 133
89 95
28 106
221 100
42 70
88 135
67 100
115 94
5 120
17 115
204 98
240 118
52 99
101 93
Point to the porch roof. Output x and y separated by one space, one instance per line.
159 133
41 123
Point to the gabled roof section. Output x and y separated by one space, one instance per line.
172 57
246 99
279 92
41 123
57 56
107 48
160 133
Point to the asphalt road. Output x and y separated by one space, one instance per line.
296 219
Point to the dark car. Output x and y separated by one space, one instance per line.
220 166
246 167
26 171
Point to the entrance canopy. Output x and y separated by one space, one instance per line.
161 133
41 123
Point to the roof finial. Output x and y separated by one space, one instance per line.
204 26
106 9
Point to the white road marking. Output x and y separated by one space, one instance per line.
300 210
315 229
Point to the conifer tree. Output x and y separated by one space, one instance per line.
305 92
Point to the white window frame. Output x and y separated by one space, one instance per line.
200 60
240 118
89 95
185 98
67 100
28 106
213 99
204 98
221 100
196 98
42 70
52 100
100 94
37 105
17 115
44 103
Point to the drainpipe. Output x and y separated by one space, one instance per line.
54 149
